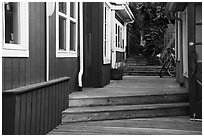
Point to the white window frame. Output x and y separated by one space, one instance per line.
179 37
67 52
21 49
117 48
185 42
107 38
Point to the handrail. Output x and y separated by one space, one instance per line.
34 86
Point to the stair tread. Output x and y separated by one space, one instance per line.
137 70
123 107
109 94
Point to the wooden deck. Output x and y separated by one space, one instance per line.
146 126
140 85
133 85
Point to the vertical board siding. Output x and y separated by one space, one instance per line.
22 122
106 74
17 114
15 69
32 45
46 116
50 108
93 45
38 92
42 110
61 67
28 113
22 71
37 111
54 106
7 73
9 123
19 72
33 112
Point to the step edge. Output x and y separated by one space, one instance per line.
140 95
125 108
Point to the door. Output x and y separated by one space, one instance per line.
195 59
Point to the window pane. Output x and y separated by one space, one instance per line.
121 41
198 33
62 33
105 33
116 39
105 15
63 7
199 52
198 13
73 9
118 36
123 44
105 48
12 23
72 36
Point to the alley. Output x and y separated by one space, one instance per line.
137 86
78 67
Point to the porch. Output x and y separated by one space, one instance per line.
135 105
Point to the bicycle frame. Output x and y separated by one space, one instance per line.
168 62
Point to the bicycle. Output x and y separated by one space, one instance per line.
169 64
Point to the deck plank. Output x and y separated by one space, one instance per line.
145 126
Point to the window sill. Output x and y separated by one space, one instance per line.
15 53
106 61
65 55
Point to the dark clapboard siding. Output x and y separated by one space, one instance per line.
93 46
36 110
19 72
60 67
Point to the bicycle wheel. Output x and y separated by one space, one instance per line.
162 71
171 68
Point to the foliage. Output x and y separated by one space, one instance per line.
149 26
119 65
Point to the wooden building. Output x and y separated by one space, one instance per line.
104 40
188 44
48 51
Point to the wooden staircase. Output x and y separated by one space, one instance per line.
110 104
140 67
137 70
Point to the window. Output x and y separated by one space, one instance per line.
66 29
73 27
119 36
15 29
62 33
106 36
198 32
116 35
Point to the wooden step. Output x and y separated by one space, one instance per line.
124 112
131 99
143 74
143 67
